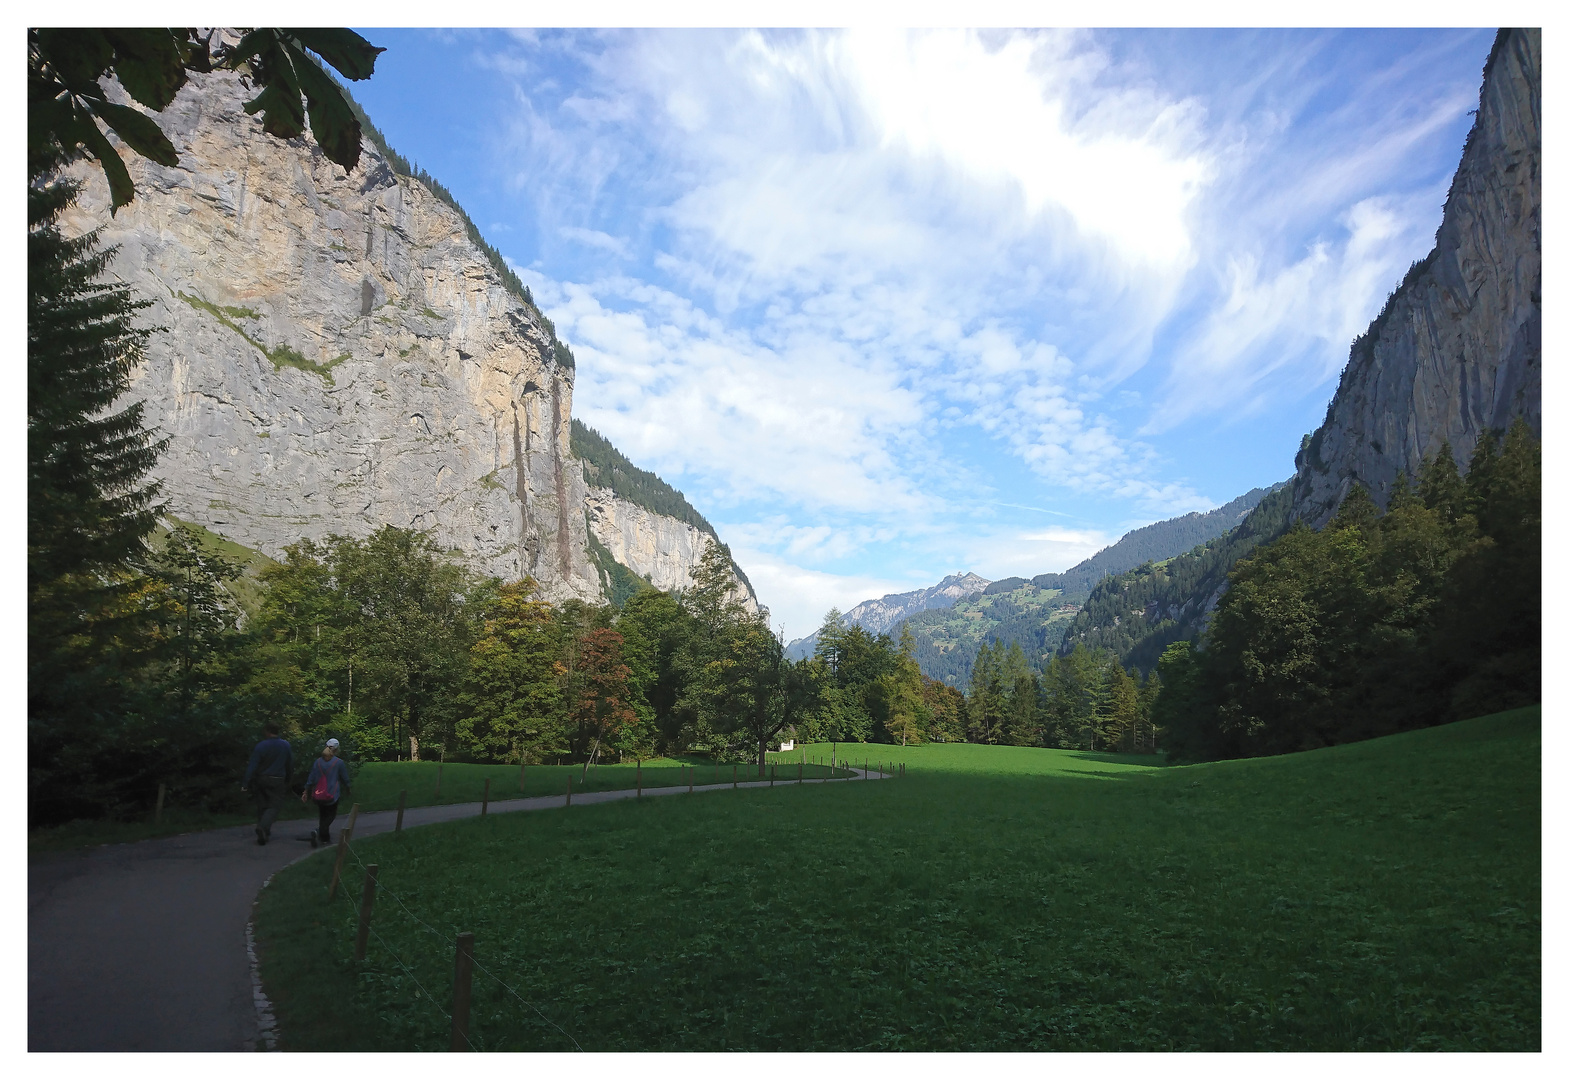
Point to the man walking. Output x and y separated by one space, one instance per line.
272 760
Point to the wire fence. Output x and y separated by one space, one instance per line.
380 890
460 1022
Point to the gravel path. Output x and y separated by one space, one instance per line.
143 946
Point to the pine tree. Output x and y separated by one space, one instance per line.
1146 736
1440 485
1119 711
1401 494
90 506
904 694
1357 511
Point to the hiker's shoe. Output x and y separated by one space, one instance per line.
326 838
261 837
314 838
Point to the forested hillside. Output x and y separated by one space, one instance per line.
1152 543
946 641
1137 614
1379 622
605 466
1037 613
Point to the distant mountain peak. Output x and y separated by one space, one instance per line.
883 614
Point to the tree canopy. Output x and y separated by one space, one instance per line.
66 99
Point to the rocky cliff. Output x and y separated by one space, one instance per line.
661 550
338 354
1457 349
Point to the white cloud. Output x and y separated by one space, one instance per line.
797 598
594 238
1001 114
1030 552
1298 320
683 394
822 281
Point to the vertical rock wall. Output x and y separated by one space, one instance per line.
659 549
1458 349
337 354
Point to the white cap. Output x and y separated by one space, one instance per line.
332 743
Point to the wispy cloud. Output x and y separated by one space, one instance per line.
594 238
828 282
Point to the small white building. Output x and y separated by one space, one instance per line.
786 744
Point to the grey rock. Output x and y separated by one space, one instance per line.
337 355
660 549
1458 349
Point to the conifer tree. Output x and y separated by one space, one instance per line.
90 503
1440 485
1119 711
1146 738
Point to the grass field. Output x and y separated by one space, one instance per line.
1383 895
378 783
972 758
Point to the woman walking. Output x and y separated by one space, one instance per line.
327 783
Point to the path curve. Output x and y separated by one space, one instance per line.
143 946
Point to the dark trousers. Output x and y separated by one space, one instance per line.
269 800
325 812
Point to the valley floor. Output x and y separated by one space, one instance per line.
1382 895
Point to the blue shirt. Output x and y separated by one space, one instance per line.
337 774
270 757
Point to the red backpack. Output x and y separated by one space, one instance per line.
323 792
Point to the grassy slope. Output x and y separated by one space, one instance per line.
1384 895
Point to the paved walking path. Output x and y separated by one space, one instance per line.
142 946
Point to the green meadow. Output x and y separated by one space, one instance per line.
378 783
1383 895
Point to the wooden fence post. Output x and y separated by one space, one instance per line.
800 771
569 789
735 777
337 865
367 903
770 776
442 764
639 778
158 813
484 806
462 984
403 798
354 813
689 774
522 776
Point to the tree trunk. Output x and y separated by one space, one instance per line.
413 747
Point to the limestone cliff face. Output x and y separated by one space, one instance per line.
657 548
337 354
1458 349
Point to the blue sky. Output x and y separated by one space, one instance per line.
888 305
